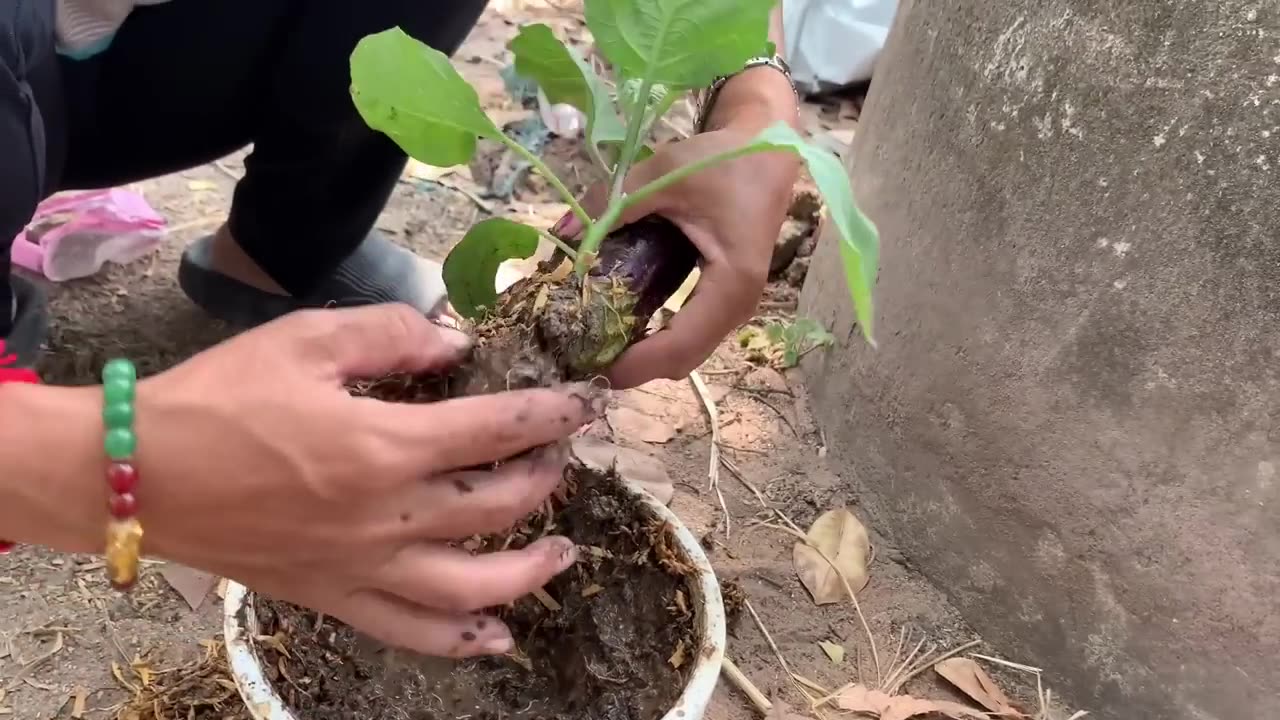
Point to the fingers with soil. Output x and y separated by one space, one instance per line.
466 432
400 623
456 581
479 502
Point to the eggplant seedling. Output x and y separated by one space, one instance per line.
573 319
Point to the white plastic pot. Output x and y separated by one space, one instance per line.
241 627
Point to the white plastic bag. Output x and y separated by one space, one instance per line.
833 43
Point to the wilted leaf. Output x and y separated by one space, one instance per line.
860 699
411 92
566 78
679 43
859 239
842 538
972 680
471 269
833 651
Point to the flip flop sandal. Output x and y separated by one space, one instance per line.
379 271
30 326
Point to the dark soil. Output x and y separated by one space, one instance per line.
620 646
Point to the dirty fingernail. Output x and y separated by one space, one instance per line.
564 552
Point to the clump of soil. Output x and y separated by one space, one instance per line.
612 638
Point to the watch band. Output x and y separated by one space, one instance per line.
706 99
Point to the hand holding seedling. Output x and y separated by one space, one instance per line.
261 467
731 212
659 51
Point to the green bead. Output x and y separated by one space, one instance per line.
118 390
120 443
118 416
119 369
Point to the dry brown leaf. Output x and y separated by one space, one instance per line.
678 657
972 680
861 699
842 538
631 465
634 425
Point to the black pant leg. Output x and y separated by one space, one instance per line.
30 124
188 81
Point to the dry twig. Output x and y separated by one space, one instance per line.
713 417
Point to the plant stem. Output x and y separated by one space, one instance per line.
629 146
683 173
564 247
545 172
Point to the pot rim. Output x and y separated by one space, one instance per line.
264 703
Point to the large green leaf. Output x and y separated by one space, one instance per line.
682 44
471 270
567 78
859 240
411 92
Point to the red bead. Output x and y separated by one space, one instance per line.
122 477
123 506
6 546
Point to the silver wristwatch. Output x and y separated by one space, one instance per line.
707 97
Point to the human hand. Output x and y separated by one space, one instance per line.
732 212
257 465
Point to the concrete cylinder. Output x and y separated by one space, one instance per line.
1073 420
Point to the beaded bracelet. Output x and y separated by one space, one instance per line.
124 532
10 374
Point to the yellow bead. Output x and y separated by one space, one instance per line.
124 549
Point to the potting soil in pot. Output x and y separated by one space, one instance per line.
616 639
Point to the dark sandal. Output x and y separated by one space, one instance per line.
379 271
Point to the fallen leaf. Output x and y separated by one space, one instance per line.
842 538
201 185
192 585
972 680
631 465
677 657
861 699
635 425
833 651
590 590
81 696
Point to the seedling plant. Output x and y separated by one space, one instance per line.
584 311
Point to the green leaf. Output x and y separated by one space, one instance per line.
679 43
471 270
567 78
410 92
859 239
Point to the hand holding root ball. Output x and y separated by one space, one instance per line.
275 476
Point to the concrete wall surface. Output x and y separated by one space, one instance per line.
1073 420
